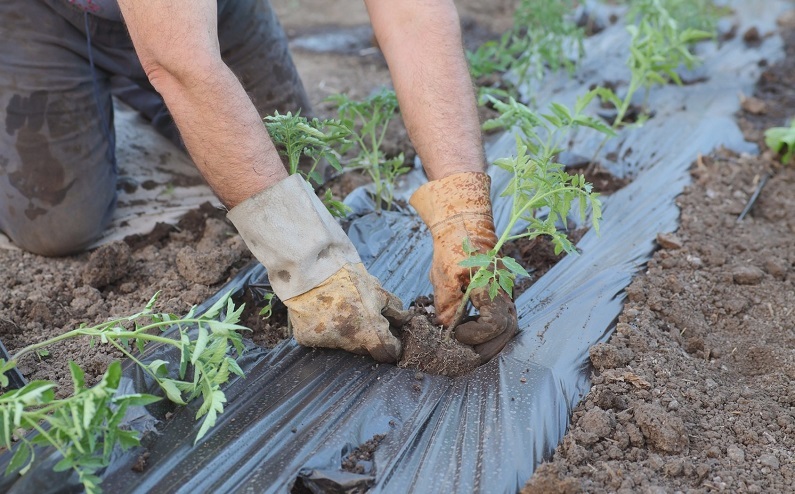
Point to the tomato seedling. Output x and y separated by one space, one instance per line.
782 139
86 426
314 139
368 121
662 34
543 37
538 183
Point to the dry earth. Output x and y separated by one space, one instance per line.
694 392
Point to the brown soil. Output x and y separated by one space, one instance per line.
537 256
360 459
426 349
694 391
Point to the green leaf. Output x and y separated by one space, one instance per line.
128 439
22 456
480 279
514 266
217 401
476 261
494 287
506 283
235 368
201 343
140 399
78 376
171 390
63 465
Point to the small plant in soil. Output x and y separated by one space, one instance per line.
663 32
782 140
86 426
368 121
267 310
312 140
538 184
543 37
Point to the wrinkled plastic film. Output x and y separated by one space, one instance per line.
300 411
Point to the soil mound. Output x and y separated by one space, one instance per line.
426 349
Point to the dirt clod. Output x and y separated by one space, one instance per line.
424 350
107 264
669 241
747 275
663 431
360 459
607 356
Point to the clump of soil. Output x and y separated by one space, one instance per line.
360 459
426 349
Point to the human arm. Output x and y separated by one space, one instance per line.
333 301
177 43
421 41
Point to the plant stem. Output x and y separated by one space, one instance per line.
94 331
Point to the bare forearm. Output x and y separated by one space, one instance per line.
421 40
220 126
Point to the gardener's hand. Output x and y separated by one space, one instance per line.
454 208
349 311
313 267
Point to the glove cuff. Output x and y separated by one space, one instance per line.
465 193
289 230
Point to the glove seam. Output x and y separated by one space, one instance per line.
451 219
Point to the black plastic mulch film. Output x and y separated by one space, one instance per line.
299 411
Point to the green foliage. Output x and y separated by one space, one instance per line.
491 270
538 183
782 139
368 121
86 426
267 309
542 37
315 139
663 32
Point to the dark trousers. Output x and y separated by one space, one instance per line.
58 70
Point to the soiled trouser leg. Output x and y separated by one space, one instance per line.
57 167
254 46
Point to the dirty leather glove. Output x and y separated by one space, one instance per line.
454 208
315 270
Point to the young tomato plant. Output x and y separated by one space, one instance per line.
537 183
542 37
662 32
782 139
315 140
368 121
86 426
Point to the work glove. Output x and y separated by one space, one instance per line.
315 270
455 208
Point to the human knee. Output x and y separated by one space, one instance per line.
56 238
